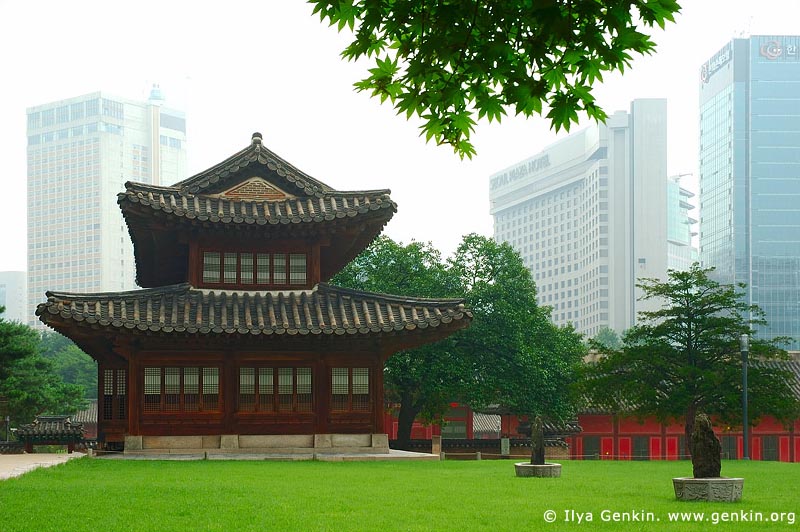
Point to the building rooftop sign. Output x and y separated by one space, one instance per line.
520 171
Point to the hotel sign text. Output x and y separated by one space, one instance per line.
520 171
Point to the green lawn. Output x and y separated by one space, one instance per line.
115 495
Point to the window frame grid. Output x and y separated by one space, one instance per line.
288 271
278 401
349 403
147 409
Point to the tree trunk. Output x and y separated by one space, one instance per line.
405 420
688 428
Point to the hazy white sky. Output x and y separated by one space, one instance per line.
241 66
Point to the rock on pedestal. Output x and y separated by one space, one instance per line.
720 489
527 469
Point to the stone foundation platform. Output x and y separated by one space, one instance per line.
241 444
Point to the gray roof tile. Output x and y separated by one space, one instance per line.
323 310
305 209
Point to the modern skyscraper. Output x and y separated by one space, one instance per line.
13 296
750 174
81 151
590 215
681 250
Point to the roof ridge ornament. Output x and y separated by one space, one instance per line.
257 138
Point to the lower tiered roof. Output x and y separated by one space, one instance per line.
323 310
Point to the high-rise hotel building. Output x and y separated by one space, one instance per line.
750 174
80 153
594 212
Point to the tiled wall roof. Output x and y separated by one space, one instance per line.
55 428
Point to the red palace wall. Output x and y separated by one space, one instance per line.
608 437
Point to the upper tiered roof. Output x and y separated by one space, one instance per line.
253 194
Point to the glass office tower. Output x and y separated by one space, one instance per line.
750 174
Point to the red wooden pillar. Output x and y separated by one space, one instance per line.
755 448
624 448
377 395
783 449
135 396
607 448
655 448
672 447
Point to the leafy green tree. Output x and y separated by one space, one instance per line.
511 354
425 379
522 361
16 341
70 362
608 338
29 384
684 358
450 62
35 388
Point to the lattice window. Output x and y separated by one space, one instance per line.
266 389
297 268
191 389
174 389
121 393
303 390
360 390
340 389
285 389
262 268
350 390
257 387
247 269
247 389
229 269
115 397
211 267
279 268
152 389
210 389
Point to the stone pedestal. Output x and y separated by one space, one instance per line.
436 445
717 489
526 469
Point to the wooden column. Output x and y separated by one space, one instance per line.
135 398
377 396
322 406
229 383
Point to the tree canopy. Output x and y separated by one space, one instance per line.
685 357
453 62
29 382
70 362
608 338
511 355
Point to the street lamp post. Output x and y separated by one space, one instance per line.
744 343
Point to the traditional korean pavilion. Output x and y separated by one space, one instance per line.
236 341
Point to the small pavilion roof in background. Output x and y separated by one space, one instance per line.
51 429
